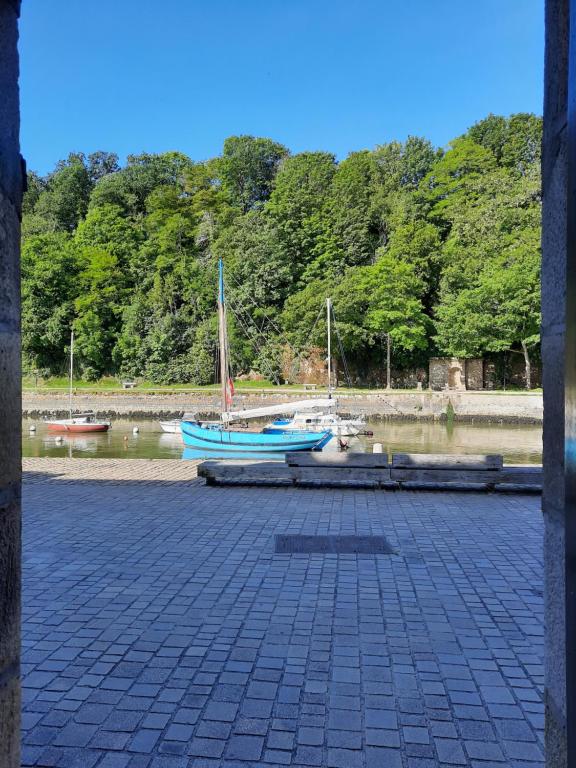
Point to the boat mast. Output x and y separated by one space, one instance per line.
328 319
222 336
71 369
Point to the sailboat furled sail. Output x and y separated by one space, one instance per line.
217 436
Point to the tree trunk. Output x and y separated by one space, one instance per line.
388 346
527 365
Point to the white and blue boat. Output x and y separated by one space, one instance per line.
218 437
215 437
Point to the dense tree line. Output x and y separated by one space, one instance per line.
435 250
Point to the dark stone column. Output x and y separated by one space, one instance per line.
10 395
554 180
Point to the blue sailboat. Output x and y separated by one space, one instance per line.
217 437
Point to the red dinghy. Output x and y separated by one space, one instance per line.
80 423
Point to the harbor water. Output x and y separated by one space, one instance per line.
518 443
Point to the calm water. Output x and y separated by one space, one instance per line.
520 444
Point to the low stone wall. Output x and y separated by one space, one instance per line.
488 406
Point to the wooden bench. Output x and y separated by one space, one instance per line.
128 384
372 470
310 386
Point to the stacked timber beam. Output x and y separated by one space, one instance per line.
407 470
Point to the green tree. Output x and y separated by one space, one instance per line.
64 201
247 168
49 288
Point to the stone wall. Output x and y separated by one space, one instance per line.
10 201
455 373
554 263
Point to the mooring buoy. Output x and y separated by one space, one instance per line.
377 448
135 430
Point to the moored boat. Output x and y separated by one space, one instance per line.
217 436
213 437
317 421
79 422
172 426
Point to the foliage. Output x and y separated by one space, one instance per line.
439 249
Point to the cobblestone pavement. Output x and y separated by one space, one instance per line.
161 630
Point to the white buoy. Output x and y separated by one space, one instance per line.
32 427
135 430
59 439
377 448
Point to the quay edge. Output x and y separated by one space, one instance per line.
486 406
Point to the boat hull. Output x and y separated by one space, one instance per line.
337 426
171 427
214 438
56 426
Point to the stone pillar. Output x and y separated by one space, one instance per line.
554 180
10 400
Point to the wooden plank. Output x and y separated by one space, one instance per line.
446 461
522 475
248 473
337 460
236 468
519 475
445 475
341 476
418 485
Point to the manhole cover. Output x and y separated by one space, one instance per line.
294 544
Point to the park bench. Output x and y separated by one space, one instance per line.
128 384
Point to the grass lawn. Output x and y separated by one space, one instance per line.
111 384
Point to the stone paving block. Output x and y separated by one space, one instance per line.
145 640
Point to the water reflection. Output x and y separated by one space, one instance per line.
520 444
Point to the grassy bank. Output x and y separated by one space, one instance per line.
113 385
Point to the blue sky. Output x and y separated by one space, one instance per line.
336 75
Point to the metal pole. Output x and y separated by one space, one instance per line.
570 403
71 368
328 318
388 343
222 335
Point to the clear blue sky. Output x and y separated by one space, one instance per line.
337 75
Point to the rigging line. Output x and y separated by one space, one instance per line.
250 335
341 348
238 309
300 354
297 354
257 336
246 320
278 330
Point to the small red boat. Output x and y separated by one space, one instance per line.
83 422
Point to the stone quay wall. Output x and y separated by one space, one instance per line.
487 406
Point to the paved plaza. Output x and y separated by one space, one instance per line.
161 630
